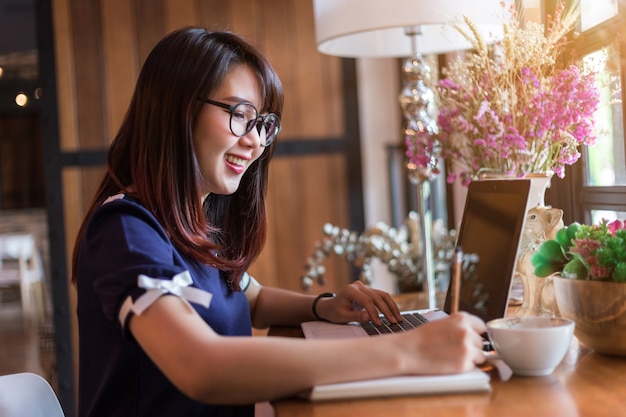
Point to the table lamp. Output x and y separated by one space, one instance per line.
407 29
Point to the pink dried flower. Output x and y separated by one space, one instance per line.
587 248
616 225
518 113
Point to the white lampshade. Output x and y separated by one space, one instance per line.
376 28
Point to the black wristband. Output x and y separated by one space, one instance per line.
314 306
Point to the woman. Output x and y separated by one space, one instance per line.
160 261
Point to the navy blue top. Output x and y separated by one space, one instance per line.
123 241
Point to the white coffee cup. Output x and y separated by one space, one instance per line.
531 346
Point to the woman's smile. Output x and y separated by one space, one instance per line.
235 163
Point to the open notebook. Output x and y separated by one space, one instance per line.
490 233
474 381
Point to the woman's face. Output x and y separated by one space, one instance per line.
223 157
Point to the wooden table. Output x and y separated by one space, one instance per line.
584 384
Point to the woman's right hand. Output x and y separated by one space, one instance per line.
449 345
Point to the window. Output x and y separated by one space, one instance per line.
595 187
604 162
594 12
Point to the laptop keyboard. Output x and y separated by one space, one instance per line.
410 321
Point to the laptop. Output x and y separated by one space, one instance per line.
491 228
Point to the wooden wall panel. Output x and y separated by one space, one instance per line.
306 193
308 73
66 78
325 201
245 18
149 26
87 44
331 89
91 94
111 50
280 49
179 14
120 60
215 14
284 237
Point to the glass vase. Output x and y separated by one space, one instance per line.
539 183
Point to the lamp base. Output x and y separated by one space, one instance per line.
427 266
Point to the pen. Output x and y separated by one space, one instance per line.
456 279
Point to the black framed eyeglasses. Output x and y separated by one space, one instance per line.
244 117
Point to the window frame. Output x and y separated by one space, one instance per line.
570 193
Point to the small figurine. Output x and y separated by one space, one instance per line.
542 223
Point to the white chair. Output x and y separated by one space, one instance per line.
28 395
21 266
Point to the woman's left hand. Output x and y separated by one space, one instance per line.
358 302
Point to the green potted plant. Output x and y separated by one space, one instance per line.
588 266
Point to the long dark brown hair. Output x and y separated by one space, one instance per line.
152 156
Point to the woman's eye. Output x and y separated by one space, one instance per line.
239 115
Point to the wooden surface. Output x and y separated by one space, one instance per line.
584 384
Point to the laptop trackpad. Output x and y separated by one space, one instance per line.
434 315
324 330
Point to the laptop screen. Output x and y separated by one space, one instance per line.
490 233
